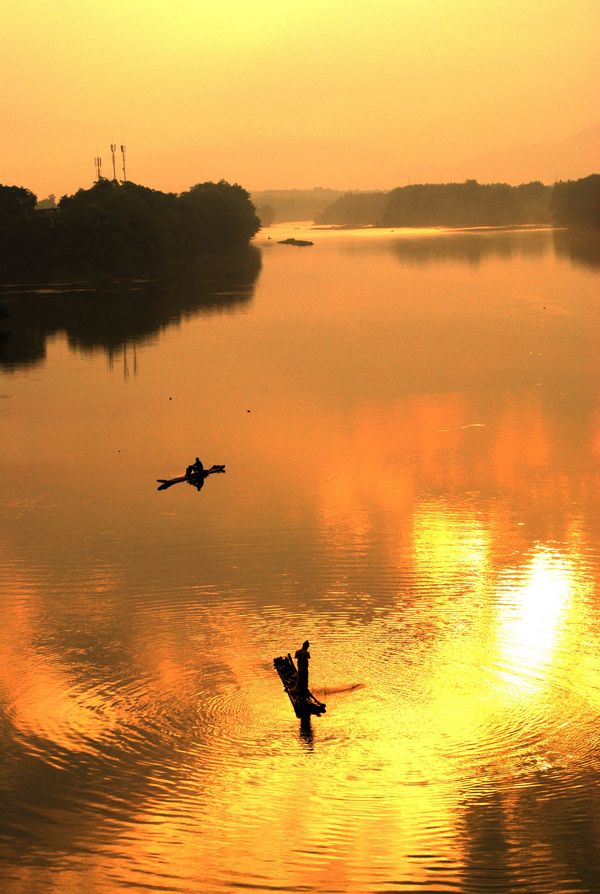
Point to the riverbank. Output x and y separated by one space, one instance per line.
121 230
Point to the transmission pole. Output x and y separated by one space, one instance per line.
124 173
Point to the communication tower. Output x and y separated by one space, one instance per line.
113 149
98 166
124 172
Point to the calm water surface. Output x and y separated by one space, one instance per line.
411 428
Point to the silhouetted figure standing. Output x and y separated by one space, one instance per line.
303 657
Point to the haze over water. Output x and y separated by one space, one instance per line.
410 424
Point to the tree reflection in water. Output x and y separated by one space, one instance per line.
112 316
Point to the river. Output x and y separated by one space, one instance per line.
410 423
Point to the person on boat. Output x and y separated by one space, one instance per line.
303 657
196 470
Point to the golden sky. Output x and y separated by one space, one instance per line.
279 93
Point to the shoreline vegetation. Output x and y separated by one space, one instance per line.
572 203
486 228
122 229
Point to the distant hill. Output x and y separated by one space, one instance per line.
354 209
577 157
292 204
383 167
569 159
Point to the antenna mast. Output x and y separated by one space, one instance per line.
124 173
113 149
98 166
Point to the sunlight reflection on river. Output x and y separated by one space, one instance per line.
410 428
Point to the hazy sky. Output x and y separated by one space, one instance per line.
286 93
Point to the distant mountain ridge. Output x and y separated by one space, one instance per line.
574 157
292 204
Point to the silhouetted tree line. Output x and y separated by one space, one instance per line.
121 229
471 204
468 204
20 231
354 209
576 203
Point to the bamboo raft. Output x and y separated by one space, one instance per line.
191 476
303 705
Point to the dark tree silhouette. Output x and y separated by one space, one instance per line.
16 202
122 229
576 203
17 227
125 229
217 215
467 204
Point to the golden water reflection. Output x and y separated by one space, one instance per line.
438 545
533 615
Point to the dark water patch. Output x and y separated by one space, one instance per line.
120 313
581 247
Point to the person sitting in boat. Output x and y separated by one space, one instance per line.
195 470
303 657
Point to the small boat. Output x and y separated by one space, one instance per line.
303 705
194 475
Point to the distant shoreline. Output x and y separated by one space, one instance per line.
469 205
440 228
